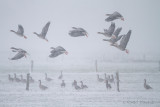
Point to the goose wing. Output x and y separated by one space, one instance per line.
117 31
20 29
45 30
111 28
18 56
125 39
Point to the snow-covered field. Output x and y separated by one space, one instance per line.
132 92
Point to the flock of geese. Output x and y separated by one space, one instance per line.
77 32
43 87
109 80
111 33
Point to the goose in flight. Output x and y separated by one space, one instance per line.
76 32
146 86
114 16
20 31
21 53
57 51
42 35
108 32
123 42
115 37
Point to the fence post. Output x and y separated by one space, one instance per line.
96 66
32 65
27 83
117 77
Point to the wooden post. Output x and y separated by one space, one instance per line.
159 65
96 66
32 65
117 77
27 83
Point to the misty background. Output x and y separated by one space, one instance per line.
142 17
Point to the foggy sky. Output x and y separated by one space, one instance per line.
141 16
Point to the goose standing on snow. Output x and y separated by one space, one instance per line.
83 86
10 78
20 31
23 80
76 32
74 82
63 84
108 32
61 76
46 78
114 16
146 86
99 79
123 42
16 79
108 86
77 87
31 80
42 35
21 53
42 87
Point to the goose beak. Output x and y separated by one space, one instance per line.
87 35
66 52
122 18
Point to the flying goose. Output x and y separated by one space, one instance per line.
146 86
114 16
76 32
123 42
108 32
42 35
20 31
21 53
57 51
46 78
42 87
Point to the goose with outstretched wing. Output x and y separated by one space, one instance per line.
115 36
108 32
42 35
124 41
20 31
21 53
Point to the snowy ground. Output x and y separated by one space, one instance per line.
132 92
